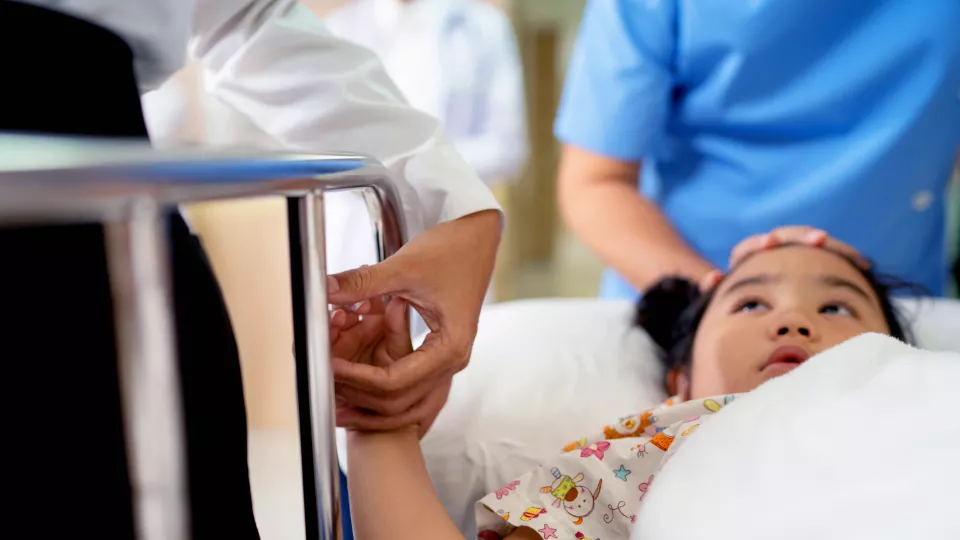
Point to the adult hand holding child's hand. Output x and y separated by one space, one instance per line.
446 283
378 337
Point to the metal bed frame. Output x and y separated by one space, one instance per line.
129 187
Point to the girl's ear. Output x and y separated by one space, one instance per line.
678 383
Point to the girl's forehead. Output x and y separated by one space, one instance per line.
797 261
801 266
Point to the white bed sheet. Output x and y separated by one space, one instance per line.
874 455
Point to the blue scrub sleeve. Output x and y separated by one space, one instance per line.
617 94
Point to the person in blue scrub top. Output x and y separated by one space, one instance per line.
744 115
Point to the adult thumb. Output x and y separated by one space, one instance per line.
363 283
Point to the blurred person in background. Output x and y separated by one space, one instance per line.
78 67
456 60
739 117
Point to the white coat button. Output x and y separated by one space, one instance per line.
922 200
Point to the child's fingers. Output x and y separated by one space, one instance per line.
350 319
337 320
376 305
364 307
341 322
357 338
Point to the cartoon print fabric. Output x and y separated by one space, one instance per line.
595 488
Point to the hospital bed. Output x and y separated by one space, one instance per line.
128 186
547 372
542 373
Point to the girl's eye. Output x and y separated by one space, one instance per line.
836 309
750 305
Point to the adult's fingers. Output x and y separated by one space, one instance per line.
359 419
800 234
757 242
367 282
781 235
711 280
423 414
434 358
389 405
812 236
849 251
432 406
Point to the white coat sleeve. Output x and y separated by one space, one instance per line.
499 149
166 111
275 62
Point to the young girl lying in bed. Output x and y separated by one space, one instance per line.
772 312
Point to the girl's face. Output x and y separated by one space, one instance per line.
774 311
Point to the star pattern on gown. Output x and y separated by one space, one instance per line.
547 532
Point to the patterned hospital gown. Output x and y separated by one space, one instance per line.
594 489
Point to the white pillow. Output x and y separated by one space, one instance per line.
545 372
859 442
935 322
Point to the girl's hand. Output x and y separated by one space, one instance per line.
355 333
371 333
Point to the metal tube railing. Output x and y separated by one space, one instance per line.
129 186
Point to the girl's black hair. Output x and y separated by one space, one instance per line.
671 310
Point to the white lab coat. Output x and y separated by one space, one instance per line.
456 60
493 145
277 65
